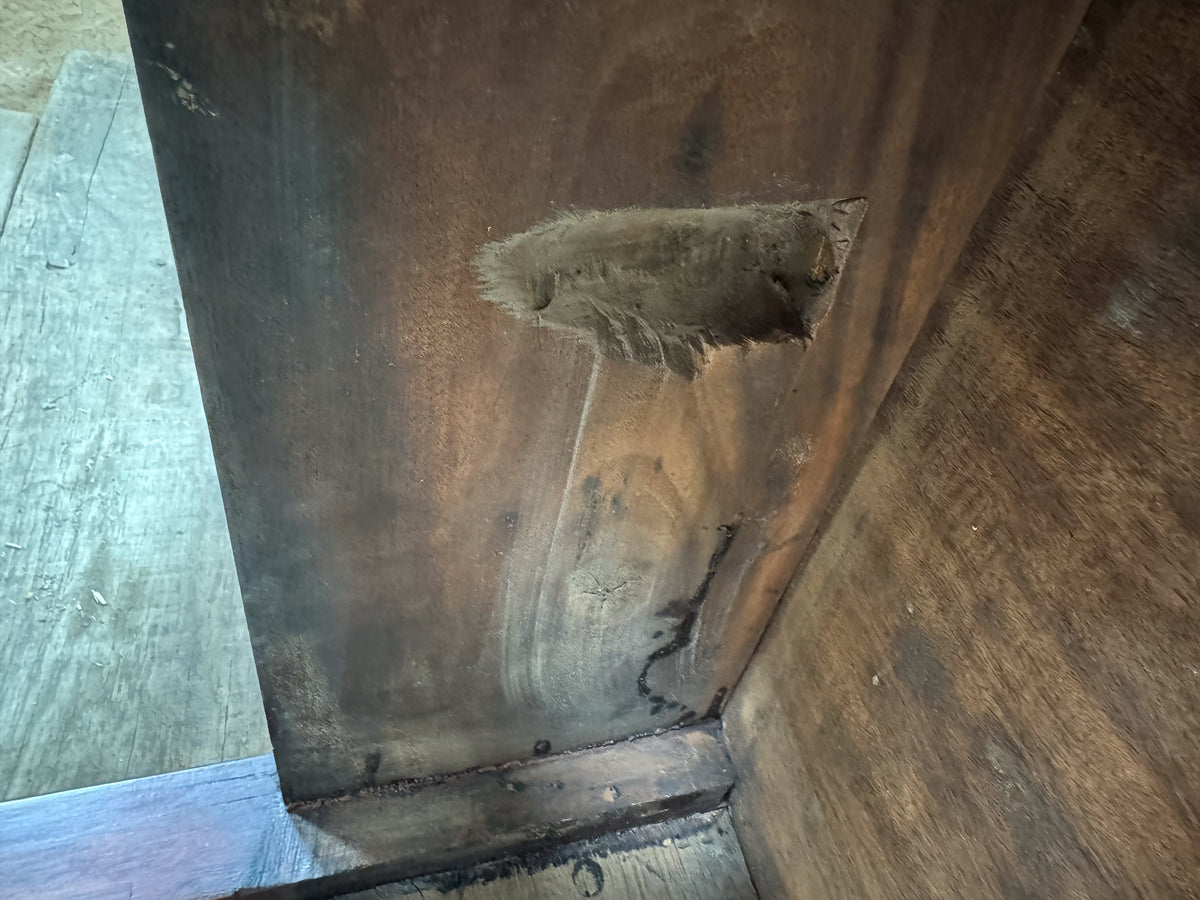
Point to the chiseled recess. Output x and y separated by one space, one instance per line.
662 286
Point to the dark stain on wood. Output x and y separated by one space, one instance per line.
993 687
685 611
918 666
702 137
588 877
695 857
717 704
1043 838
371 768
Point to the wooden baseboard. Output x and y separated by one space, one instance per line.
213 831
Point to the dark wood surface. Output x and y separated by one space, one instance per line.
986 682
696 857
208 832
461 537
123 645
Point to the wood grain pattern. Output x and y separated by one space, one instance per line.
986 682
696 857
106 476
217 830
461 537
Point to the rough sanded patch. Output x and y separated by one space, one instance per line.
662 286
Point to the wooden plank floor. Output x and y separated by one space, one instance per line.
142 839
693 858
123 646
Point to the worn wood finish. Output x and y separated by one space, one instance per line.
696 857
16 133
461 537
106 476
212 831
527 805
986 682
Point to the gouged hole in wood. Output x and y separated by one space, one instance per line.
664 286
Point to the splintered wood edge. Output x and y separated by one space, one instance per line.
210 832
665 287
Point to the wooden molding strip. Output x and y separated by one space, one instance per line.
213 831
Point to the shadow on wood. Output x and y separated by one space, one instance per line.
986 682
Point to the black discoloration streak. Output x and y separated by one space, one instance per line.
1011 888
541 748
694 827
685 611
1184 499
718 701
918 666
588 877
591 514
371 767
702 137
